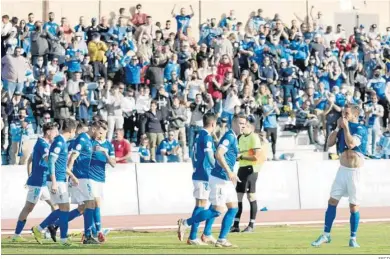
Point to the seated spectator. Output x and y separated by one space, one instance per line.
144 151
306 120
122 147
168 150
21 135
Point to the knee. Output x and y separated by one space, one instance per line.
353 208
333 202
201 203
215 211
251 197
81 208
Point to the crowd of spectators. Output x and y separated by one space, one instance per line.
153 83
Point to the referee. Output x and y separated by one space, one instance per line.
249 158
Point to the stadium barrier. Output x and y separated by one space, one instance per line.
140 189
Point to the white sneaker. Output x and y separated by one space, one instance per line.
196 242
223 243
208 239
181 229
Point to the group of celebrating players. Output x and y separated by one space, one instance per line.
66 168
215 181
70 167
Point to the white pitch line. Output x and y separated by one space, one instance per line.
289 223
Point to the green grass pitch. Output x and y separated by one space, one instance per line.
374 238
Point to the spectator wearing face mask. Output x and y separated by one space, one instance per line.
21 135
383 147
373 113
61 104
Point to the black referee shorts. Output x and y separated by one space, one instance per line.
248 180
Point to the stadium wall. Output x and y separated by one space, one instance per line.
140 189
334 11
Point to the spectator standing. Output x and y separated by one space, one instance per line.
373 113
177 118
270 123
114 111
138 18
21 135
130 116
114 68
97 50
153 122
13 72
42 103
378 86
51 26
122 147
183 20
383 147
67 29
39 43
133 73
61 104
155 75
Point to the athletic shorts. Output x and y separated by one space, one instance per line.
36 193
201 190
347 184
248 180
82 192
222 192
97 188
62 195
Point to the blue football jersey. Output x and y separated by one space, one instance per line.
59 148
230 144
83 146
202 167
99 161
357 130
39 171
144 152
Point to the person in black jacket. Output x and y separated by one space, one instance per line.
155 75
153 127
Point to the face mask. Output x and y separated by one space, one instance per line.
343 91
40 63
212 24
312 62
377 74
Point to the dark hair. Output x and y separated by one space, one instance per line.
153 102
208 118
49 126
5 17
30 14
81 84
22 109
81 125
69 125
121 9
241 115
138 5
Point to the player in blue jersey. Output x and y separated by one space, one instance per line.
103 153
222 184
203 163
81 128
36 182
56 182
79 163
350 138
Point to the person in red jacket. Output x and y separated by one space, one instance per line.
122 147
224 65
214 83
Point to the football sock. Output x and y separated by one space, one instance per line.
195 226
19 226
97 219
238 215
227 222
209 225
354 222
53 216
253 213
330 215
202 216
88 221
63 222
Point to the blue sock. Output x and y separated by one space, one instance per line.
202 216
97 218
72 215
93 229
227 222
63 223
208 226
88 221
330 215
54 215
19 226
354 222
194 226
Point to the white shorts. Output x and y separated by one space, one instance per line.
347 184
97 188
82 192
36 193
222 192
201 190
62 195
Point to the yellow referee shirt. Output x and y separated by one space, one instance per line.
248 144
